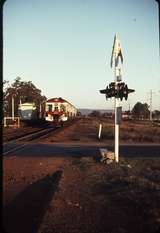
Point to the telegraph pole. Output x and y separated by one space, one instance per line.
151 95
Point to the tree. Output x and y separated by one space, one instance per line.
94 113
21 91
140 110
79 113
4 87
156 114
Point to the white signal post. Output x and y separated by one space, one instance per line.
118 90
116 54
116 146
116 136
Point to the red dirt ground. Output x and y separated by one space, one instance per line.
81 194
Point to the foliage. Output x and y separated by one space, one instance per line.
79 113
156 114
140 110
107 115
21 91
94 113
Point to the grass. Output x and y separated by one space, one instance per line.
129 131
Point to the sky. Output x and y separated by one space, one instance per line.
64 47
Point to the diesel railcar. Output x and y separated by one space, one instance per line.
27 111
58 110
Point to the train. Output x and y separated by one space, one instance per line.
59 110
27 111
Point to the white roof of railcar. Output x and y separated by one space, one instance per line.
58 100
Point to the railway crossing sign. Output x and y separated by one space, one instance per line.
117 89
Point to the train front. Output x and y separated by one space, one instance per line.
56 111
27 111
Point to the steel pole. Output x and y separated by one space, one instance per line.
116 146
116 131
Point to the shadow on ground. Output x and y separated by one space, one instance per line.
51 150
24 214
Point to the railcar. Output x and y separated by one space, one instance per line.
27 111
58 110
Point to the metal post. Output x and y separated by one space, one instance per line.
100 130
116 132
12 108
116 147
117 90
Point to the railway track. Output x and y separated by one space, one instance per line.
23 141
12 134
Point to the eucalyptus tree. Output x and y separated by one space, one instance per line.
22 91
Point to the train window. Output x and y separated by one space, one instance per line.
62 107
50 107
56 109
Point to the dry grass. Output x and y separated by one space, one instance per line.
131 131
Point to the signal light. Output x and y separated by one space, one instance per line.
119 90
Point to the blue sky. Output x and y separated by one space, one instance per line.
64 48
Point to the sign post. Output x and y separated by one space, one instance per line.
116 53
116 148
117 89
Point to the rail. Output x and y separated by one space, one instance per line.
11 146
